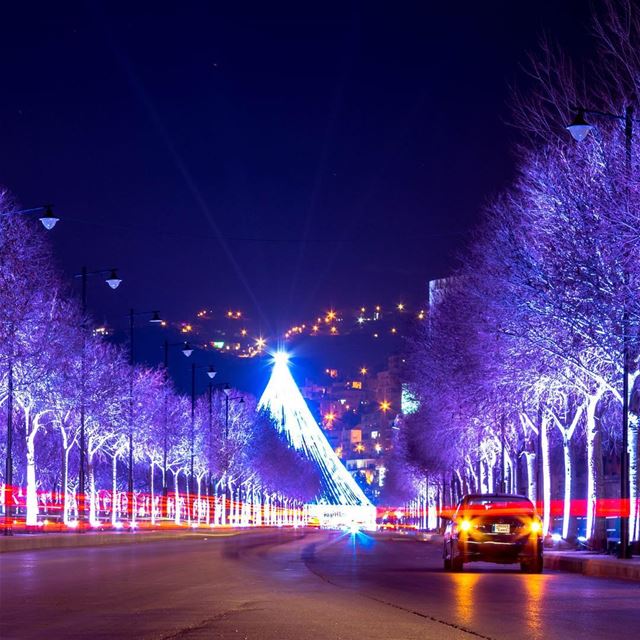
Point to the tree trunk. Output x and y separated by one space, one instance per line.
546 476
568 479
176 516
199 502
595 532
65 484
593 453
634 534
223 510
93 518
32 496
473 478
532 487
152 494
188 495
115 506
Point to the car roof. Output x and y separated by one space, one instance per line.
504 496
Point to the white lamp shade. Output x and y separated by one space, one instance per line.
579 127
48 222
113 281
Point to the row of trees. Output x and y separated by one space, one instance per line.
53 368
519 370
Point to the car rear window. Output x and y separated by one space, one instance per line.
510 504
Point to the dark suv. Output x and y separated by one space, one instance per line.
494 528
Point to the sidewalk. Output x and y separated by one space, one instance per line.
34 541
593 564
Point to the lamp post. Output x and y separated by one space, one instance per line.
155 319
211 373
114 282
187 350
579 129
226 388
48 221
8 477
502 453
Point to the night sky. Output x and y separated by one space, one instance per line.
276 159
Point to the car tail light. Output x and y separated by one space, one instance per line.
462 526
535 526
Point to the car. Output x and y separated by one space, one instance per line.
395 521
494 527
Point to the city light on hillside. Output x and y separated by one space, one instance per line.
385 405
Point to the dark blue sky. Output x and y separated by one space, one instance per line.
269 157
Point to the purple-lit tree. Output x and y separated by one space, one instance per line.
525 350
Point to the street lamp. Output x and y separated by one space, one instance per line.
579 129
48 221
114 282
47 218
187 350
211 372
226 389
8 477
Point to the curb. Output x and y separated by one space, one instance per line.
27 542
594 566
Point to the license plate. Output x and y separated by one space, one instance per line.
501 528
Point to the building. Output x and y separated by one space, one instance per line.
357 415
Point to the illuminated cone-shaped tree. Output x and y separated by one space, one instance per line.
283 400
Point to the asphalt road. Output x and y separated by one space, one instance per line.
288 585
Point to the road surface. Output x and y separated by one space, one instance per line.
293 585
